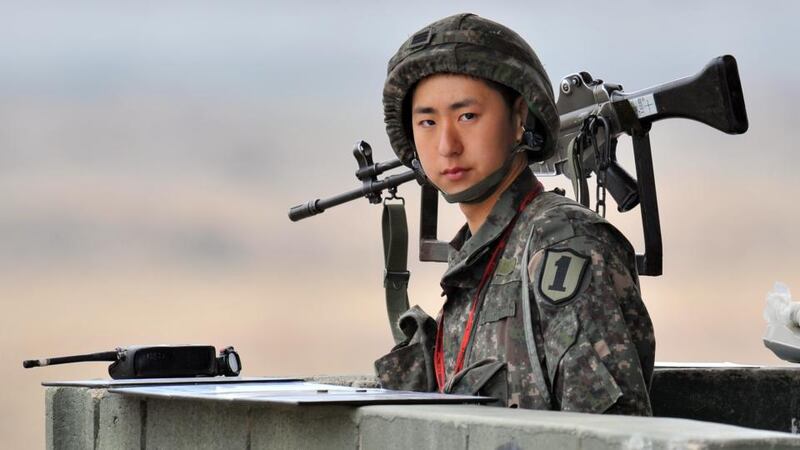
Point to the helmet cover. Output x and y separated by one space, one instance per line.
470 45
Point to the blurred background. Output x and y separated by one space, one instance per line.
149 153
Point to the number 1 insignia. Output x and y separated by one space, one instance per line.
561 275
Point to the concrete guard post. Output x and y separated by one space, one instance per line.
84 418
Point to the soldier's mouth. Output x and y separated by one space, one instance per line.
455 173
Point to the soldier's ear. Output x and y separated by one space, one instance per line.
520 116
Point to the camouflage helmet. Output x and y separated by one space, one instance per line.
470 45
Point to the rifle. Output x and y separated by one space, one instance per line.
713 96
594 114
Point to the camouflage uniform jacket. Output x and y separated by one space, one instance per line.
594 342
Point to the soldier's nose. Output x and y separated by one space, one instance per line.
449 141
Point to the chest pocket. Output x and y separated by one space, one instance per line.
502 293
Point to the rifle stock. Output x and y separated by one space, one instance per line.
713 96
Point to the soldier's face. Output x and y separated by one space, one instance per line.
463 130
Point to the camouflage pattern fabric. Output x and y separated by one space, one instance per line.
409 367
594 338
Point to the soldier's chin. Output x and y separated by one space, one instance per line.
453 190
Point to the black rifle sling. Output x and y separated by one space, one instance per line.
395 255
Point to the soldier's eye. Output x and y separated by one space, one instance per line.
468 116
426 123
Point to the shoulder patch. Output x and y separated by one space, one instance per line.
561 275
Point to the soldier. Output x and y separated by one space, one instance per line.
543 308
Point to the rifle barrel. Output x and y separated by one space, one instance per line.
316 206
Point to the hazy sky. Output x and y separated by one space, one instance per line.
149 154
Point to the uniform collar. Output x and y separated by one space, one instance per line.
467 249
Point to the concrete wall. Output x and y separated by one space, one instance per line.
83 418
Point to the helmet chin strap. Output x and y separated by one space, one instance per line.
483 189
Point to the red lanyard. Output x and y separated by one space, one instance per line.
438 351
